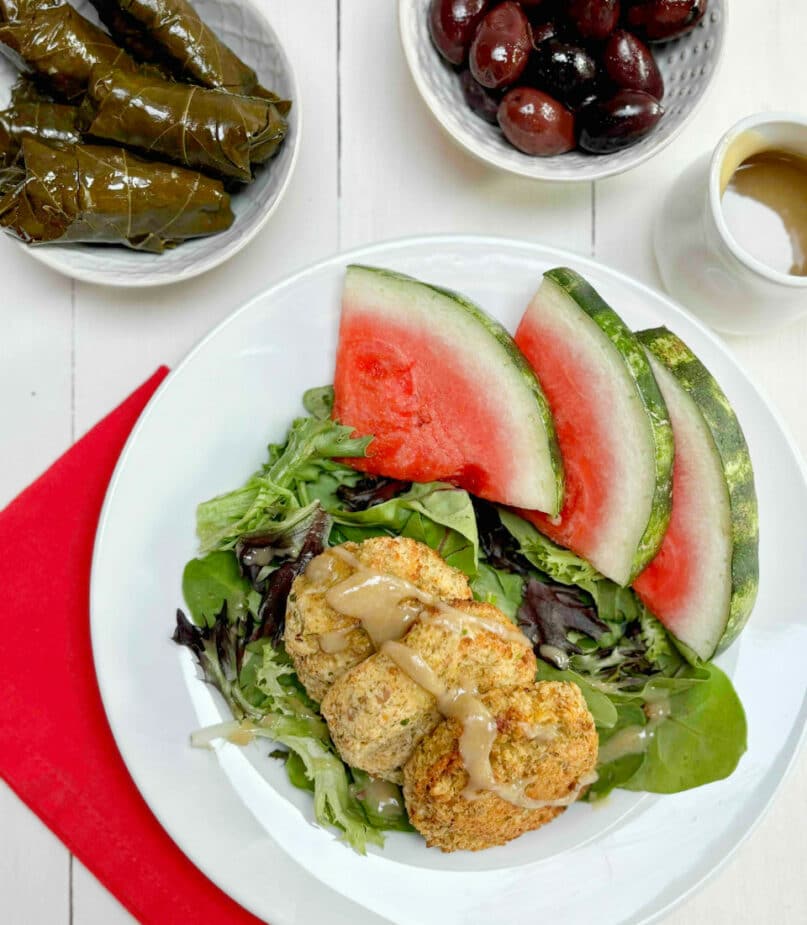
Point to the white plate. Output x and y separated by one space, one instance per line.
244 27
232 813
688 66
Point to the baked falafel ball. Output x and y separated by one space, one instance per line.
545 739
377 714
309 616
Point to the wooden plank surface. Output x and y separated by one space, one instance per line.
375 166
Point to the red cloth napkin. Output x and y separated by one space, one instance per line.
56 749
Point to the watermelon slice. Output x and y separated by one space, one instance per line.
444 392
703 582
612 425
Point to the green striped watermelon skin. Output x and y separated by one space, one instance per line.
609 322
737 467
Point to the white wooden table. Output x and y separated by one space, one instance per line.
374 166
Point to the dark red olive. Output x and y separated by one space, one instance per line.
535 123
484 102
501 47
565 71
543 32
618 122
594 19
661 20
591 98
452 24
630 64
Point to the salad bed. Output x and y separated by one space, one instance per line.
667 720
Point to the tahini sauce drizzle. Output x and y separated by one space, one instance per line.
633 740
478 731
387 606
555 655
335 640
384 797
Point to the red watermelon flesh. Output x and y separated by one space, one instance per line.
669 584
443 391
581 411
688 585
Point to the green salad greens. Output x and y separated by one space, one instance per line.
667 721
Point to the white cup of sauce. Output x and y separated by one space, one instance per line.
702 263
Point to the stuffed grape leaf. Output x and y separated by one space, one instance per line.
171 32
52 122
99 194
209 130
57 44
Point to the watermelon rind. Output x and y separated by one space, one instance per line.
473 329
735 459
617 332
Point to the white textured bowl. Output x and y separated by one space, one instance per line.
687 64
242 25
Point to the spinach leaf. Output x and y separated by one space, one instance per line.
456 548
329 478
502 589
703 738
213 581
698 737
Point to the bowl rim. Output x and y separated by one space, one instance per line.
54 257
528 166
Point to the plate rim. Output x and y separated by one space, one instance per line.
347 256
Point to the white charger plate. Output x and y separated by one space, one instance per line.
234 813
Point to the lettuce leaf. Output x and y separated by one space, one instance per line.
273 492
558 563
290 719
431 512
264 695
615 604
318 402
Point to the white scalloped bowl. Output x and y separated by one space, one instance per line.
242 25
688 66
